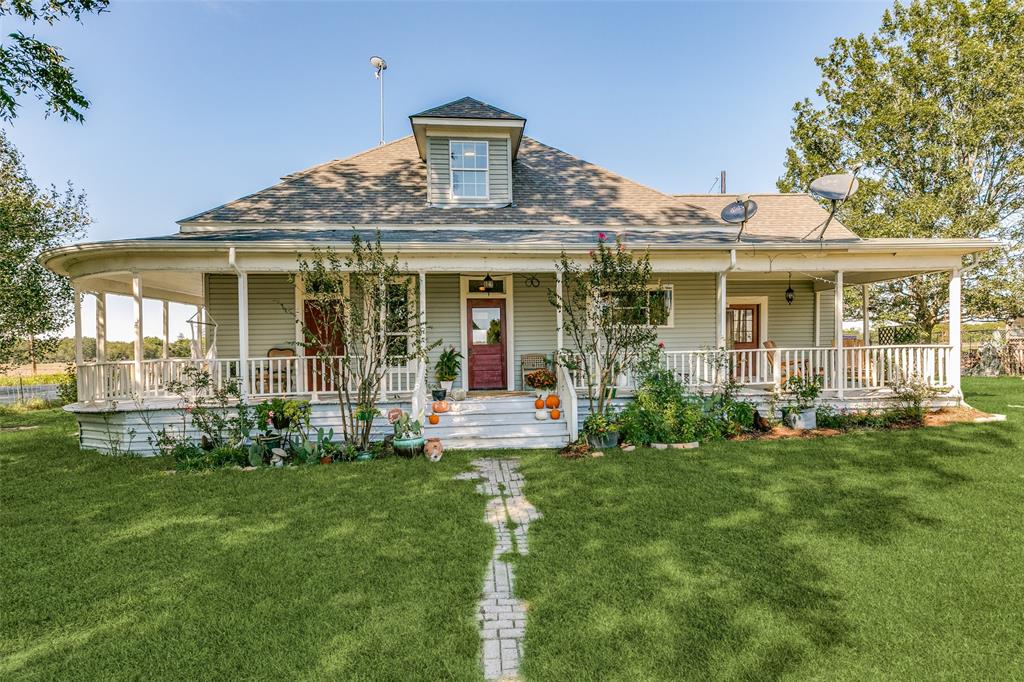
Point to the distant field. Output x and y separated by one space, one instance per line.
46 373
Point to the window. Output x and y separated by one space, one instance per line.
469 169
399 312
654 307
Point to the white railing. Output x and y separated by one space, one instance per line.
569 400
866 367
268 377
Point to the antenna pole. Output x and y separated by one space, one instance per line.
380 77
721 183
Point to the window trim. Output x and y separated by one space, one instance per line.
670 321
486 171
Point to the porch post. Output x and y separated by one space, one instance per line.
167 330
137 299
423 332
817 319
560 335
300 348
79 357
865 292
954 331
243 333
720 298
837 334
101 327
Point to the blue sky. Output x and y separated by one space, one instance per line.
194 104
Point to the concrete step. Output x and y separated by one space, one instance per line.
508 442
480 418
491 406
537 429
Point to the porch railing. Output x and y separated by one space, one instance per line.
865 367
267 377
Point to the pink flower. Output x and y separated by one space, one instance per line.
602 236
270 414
661 344
394 414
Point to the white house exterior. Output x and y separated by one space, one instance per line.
469 195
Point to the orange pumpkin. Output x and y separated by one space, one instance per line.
553 401
433 419
555 414
539 403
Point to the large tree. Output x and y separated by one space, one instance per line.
29 65
36 302
932 105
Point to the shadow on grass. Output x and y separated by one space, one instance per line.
722 562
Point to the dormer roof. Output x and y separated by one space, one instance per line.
464 117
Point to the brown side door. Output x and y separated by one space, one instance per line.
486 328
743 326
319 375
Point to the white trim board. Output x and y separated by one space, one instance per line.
510 351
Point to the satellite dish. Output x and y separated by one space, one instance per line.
835 187
740 211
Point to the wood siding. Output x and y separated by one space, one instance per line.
439 171
534 321
788 325
271 313
443 324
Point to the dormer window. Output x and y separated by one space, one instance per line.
469 169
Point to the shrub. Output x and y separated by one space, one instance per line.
67 386
911 393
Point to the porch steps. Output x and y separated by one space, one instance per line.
497 422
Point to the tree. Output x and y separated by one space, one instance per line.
27 64
932 105
363 325
608 313
36 302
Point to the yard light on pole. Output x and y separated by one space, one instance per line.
381 66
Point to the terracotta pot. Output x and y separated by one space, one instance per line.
555 414
433 449
326 459
538 404
440 406
433 419
553 401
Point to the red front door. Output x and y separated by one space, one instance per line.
486 326
325 339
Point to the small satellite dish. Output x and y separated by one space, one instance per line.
740 211
835 187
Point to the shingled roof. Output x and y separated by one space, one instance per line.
467 107
387 186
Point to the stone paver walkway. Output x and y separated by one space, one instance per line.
502 617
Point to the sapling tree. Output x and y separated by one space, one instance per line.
609 313
363 322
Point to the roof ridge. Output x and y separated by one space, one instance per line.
306 171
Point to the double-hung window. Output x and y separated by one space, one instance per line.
469 169
653 307
398 314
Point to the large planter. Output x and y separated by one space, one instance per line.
439 394
408 447
602 441
447 385
269 442
281 422
803 419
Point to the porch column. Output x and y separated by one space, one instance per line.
837 334
243 333
560 335
423 329
101 327
720 298
167 330
817 319
954 331
79 356
137 317
865 315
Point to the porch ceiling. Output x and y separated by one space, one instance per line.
178 287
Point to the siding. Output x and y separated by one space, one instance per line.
788 325
439 175
533 318
271 312
443 324
693 303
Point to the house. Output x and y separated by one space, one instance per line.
479 213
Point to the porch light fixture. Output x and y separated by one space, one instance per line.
488 283
789 290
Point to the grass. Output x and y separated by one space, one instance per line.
891 554
32 379
111 569
873 554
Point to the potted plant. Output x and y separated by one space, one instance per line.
446 369
438 393
409 438
542 380
601 430
804 391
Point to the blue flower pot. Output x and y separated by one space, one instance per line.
409 447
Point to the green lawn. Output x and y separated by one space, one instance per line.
887 554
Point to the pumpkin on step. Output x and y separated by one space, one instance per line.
433 419
553 401
555 414
539 403
440 406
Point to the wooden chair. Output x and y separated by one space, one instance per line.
274 373
786 367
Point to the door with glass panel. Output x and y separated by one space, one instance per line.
486 343
743 324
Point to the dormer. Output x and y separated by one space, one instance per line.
469 147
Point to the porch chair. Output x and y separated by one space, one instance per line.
529 362
274 374
786 367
